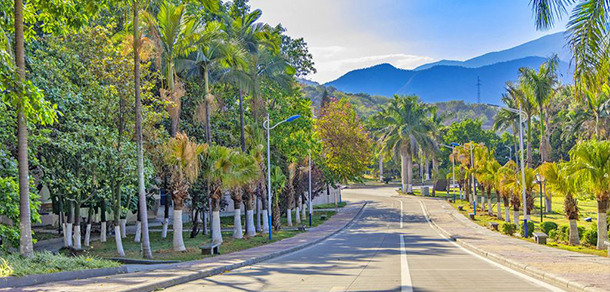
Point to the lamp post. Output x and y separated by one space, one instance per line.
540 180
309 193
520 112
266 126
510 152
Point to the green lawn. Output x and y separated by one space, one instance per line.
162 247
329 206
46 263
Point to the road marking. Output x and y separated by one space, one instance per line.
405 275
516 273
400 212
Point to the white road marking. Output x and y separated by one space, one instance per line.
516 273
405 275
400 213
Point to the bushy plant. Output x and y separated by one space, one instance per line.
546 227
590 236
553 234
508 228
530 229
46 263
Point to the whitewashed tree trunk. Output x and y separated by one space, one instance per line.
482 202
289 217
602 230
548 202
88 235
69 234
265 220
237 230
103 232
119 242
427 164
216 231
177 233
138 235
258 216
516 217
64 228
165 225
297 215
490 210
506 214
574 239
123 228
409 174
76 239
251 230
303 208
499 209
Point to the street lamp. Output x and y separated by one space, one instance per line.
474 182
510 152
520 113
540 180
453 165
309 193
266 126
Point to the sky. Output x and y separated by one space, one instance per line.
343 35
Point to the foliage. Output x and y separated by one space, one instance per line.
508 228
548 226
46 263
345 143
530 229
590 236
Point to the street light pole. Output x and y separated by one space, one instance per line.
268 128
453 166
309 193
540 180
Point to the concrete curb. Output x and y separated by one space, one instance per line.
531 271
199 274
14 282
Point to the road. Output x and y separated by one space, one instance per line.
390 247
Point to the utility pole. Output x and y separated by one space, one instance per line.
478 89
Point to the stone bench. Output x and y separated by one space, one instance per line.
540 237
460 208
493 226
607 243
425 191
323 217
210 248
302 228
471 216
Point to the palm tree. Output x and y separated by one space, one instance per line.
506 118
487 168
289 191
404 127
560 181
143 214
242 175
529 188
523 94
590 165
503 178
182 154
542 85
257 144
176 34
278 184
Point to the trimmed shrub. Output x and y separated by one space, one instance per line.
562 234
530 229
590 236
508 228
553 234
581 232
546 227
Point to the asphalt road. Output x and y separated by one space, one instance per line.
390 247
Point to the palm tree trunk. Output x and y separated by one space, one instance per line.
265 213
404 179
506 210
489 209
543 154
178 241
104 230
499 207
602 223
242 137
574 237
77 233
237 230
250 229
530 157
216 231
26 247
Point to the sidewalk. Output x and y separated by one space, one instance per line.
188 271
565 269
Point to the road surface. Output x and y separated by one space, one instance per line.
390 247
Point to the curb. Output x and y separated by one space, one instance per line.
531 271
215 271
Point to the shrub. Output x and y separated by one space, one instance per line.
581 232
590 236
562 234
530 229
508 228
553 234
546 227
46 263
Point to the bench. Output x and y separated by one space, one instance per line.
425 191
493 226
301 228
471 216
607 243
540 237
210 248
323 217
460 208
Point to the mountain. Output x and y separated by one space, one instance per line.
542 47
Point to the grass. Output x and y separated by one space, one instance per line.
162 247
46 263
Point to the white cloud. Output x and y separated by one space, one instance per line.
331 69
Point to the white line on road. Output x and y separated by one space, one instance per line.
405 275
524 276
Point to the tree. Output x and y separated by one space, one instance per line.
346 146
560 181
503 178
404 128
182 155
590 165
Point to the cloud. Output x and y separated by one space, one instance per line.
330 68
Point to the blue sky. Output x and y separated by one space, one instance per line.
347 34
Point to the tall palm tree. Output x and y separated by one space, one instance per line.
542 85
524 96
404 127
256 147
590 165
278 184
506 118
559 180
503 178
182 154
487 168
243 173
